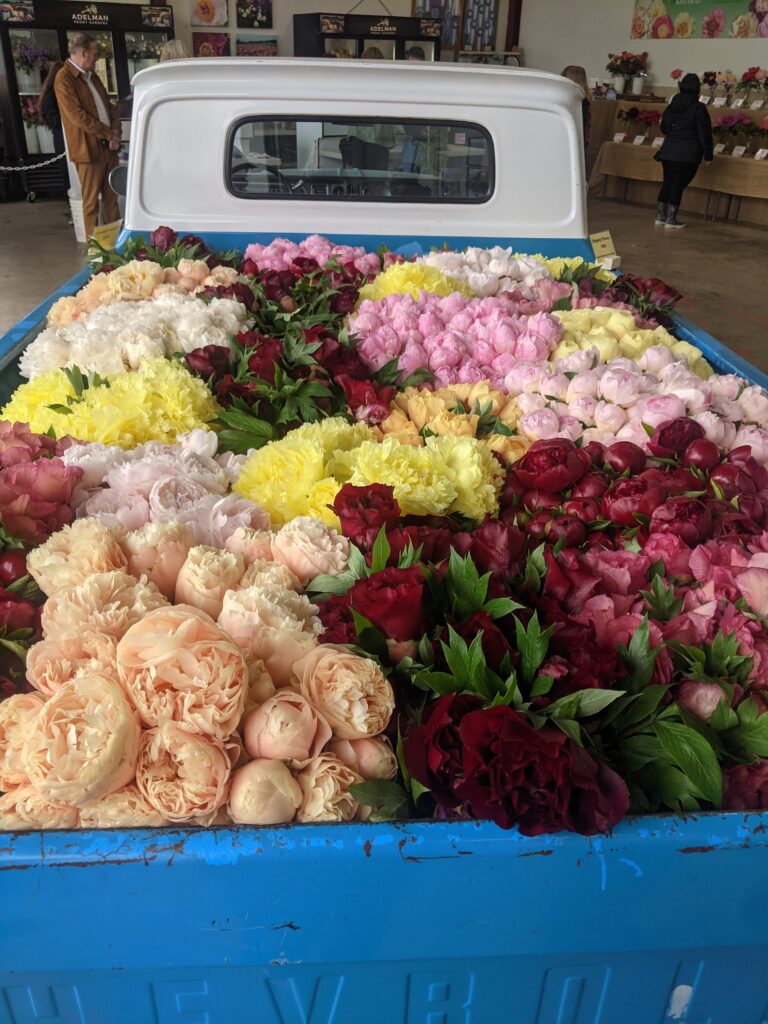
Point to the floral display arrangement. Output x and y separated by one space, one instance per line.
316 534
627 65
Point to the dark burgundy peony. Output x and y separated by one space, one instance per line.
539 781
249 268
702 454
13 566
732 480
494 546
512 492
628 498
345 300
163 239
17 615
435 542
745 788
624 455
537 501
303 266
593 485
190 241
673 437
686 518
337 619
336 359
367 400
433 750
364 510
210 362
261 361
596 452
392 600
552 465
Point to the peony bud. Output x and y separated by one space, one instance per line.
263 793
371 758
287 728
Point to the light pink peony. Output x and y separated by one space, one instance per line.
539 425
68 557
213 520
658 409
757 439
286 728
586 383
144 474
371 758
95 460
25 808
263 574
54 662
158 551
654 359
200 441
183 775
117 509
754 404
715 429
309 548
206 576
325 784
351 692
726 385
107 602
172 495
253 545
619 387
125 808
177 666
84 742
700 699
17 713
264 793
609 417
753 585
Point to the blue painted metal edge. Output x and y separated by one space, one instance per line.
716 352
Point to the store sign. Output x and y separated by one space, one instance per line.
90 15
383 28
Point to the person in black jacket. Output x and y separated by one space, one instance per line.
688 132
48 111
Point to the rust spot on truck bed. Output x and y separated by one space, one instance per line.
537 853
697 849
367 847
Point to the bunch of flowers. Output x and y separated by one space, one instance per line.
630 65
117 337
486 271
29 58
283 254
157 403
753 78
164 246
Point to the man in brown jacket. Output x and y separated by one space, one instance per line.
92 128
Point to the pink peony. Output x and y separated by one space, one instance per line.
700 699
213 520
309 548
619 387
286 728
126 509
659 408
35 498
757 439
18 444
609 417
539 425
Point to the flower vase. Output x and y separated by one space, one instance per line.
28 81
638 85
45 139
30 135
728 96
619 83
712 91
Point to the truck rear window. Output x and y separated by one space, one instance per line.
375 161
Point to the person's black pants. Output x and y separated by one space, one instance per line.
677 177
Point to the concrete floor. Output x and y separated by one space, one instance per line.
722 269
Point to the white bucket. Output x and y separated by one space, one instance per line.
76 206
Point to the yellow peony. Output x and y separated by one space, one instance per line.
157 403
321 496
282 476
334 434
510 447
412 279
475 474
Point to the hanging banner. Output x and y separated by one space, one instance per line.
700 19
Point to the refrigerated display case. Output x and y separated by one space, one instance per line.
350 35
34 34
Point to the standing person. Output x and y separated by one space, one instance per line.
92 128
688 130
578 75
48 111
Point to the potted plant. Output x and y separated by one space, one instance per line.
617 69
31 122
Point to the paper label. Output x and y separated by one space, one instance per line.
619 136
757 104
638 140
106 235
705 100
657 142
739 102
719 101
739 151
719 148
602 244
761 154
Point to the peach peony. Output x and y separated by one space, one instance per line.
158 551
260 573
25 808
371 758
84 742
310 548
185 777
16 716
253 545
52 663
325 784
126 808
351 692
107 602
206 576
260 684
74 553
263 793
286 728
177 666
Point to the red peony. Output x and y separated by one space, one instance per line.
686 518
435 542
367 400
552 465
433 749
745 788
494 546
35 496
163 239
334 357
262 359
210 362
628 498
392 600
337 620
673 437
364 510
17 615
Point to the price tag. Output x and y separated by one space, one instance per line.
719 148
602 244
638 140
719 101
757 104
738 103
619 136
705 100
658 142
739 151
761 154
106 235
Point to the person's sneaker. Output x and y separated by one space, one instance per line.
672 221
674 224
661 214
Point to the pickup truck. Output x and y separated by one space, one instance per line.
662 920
